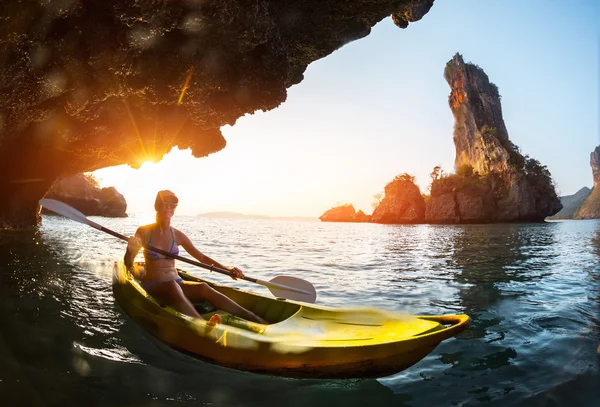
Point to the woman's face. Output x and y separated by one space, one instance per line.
166 210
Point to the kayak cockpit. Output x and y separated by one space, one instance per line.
274 310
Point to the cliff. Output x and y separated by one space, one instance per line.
590 208
494 181
595 164
87 85
571 203
402 202
78 192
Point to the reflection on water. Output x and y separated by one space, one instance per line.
532 291
491 257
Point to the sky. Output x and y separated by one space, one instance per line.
378 107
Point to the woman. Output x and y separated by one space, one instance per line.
161 279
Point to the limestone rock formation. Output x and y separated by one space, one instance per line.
590 208
402 202
78 192
595 164
503 185
90 84
460 199
344 213
571 203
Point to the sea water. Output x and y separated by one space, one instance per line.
532 290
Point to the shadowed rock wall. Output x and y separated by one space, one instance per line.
94 83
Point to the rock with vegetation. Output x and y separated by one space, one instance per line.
344 213
494 181
464 197
84 194
590 207
402 202
91 84
571 203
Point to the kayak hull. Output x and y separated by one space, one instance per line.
302 340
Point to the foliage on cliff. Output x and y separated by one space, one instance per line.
465 177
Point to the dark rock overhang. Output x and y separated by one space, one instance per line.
94 83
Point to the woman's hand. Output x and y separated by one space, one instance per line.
237 272
134 245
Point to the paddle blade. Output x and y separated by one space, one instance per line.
67 211
309 295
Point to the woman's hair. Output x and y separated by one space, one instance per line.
165 196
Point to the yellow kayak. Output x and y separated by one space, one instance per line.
301 339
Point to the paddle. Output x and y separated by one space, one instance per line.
292 288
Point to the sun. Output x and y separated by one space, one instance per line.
178 171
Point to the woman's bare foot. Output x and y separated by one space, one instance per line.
214 320
212 324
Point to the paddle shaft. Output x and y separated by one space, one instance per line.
206 266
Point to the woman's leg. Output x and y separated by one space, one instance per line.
200 291
171 293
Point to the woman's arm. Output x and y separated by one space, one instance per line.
189 247
133 247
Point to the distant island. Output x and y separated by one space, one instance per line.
571 204
585 203
493 181
235 215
